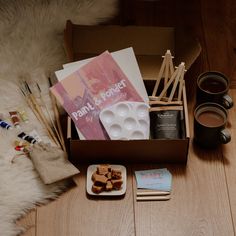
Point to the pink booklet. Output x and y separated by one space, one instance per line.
93 87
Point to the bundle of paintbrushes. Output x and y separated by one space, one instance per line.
166 112
53 130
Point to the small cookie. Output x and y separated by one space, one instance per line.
108 175
97 189
115 174
100 180
116 183
102 169
109 186
94 176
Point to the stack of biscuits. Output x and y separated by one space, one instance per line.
105 178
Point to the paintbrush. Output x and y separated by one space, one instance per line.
50 117
35 106
56 114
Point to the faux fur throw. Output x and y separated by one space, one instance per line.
31 46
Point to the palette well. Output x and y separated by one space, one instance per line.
126 121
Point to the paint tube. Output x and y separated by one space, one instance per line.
20 148
23 115
21 143
35 135
15 118
26 137
5 125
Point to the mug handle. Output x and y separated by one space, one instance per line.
225 136
227 101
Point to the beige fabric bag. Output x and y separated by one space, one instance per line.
51 163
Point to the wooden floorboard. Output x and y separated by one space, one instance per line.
218 34
29 223
75 214
230 160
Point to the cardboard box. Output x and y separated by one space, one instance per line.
149 44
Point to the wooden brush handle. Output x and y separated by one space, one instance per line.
57 117
153 198
43 118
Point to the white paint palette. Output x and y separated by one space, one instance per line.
126 120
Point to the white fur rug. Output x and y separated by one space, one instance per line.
31 46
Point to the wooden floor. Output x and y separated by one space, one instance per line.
203 201
204 191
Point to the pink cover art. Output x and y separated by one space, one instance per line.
93 87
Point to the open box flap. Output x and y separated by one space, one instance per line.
97 39
149 44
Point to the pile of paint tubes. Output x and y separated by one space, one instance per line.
16 117
24 140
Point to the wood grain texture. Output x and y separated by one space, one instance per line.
141 12
218 35
230 160
199 204
75 213
29 223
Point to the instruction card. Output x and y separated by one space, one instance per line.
155 179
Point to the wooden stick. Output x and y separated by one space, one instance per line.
32 102
171 65
30 105
181 84
166 78
153 198
167 69
152 193
159 77
164 99
50 117
154 98
33 110
186 111
168 108
168 85
165 103
57 116
43 118
177 78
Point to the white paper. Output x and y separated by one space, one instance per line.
126 59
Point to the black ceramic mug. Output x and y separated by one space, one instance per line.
213 86
209 125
